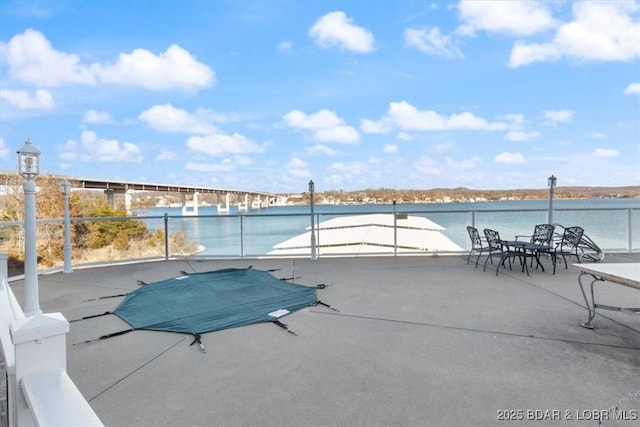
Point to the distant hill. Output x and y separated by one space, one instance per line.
386 195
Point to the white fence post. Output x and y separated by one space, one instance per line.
40 344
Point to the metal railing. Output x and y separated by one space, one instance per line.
253 235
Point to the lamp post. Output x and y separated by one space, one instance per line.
395 230
65 188
314 255
551 182
29 169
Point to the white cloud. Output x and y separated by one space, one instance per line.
165 155
431 41
97 117
335 29
40 100
285 46
219 144
606 152
525 54
321 149
445 147
94 149
350 169
296 163
370 126
243 161
516 120
167 118
31 58
324 125
404 136
298 168
470 163
427 166
323 119
224 166
515 17
600 31
175 68
632 89
507 158
341 133
409 118
595 135
390 148
558 116
521 135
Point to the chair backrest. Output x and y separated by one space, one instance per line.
542 234
493 239
571 238
474 235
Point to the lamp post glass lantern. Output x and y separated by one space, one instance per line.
29 169
551 182
28 161
314 254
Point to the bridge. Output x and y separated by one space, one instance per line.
244 199
111 187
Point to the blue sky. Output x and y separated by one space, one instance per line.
266 95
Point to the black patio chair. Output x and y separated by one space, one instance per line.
499 246
478 244
568 245
542 235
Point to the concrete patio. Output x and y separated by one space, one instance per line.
418 341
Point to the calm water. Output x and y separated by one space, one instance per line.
263 228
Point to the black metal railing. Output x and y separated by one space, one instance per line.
254 235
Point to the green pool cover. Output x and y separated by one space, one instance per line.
212 301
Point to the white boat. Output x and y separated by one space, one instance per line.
371 234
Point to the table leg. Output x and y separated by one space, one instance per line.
536 255
591 305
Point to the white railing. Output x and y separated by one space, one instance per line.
9 311
35 386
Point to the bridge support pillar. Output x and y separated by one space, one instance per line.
111 198
225 208
190 210
128 199
244 206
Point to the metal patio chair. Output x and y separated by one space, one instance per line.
499 246
478 244
568 245
543 236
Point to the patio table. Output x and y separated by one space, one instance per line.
626 274
529 249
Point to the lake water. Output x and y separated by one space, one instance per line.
606 221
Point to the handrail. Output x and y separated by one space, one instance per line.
54 400
239 242
10 310
45 397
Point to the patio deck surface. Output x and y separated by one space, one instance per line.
418 341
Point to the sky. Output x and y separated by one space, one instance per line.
267 95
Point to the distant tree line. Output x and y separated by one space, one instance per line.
387 195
